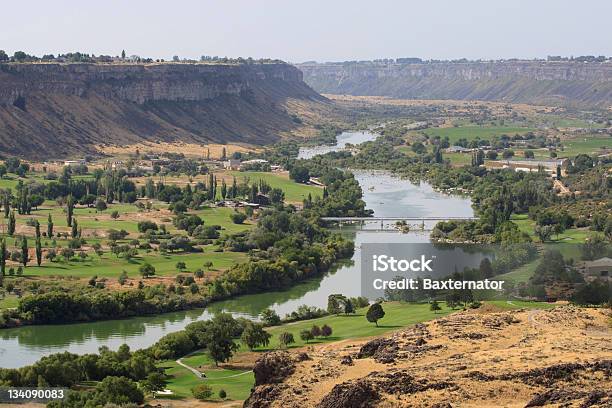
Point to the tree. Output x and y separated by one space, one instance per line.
270 317
434 306
36 200
299 174
223 154
375 313
11 223
276 196
418 148
315 331
333 303
144 226
438 155
222 394
348 307
202 392
24 251
67 253
147 270
223 189
491 155
528 154
254 335
74 231
3 255
38 251
49 226
218 338
122 54
3 56
543 232
326 331
154 382
69 210
119 390
101 205
486 270
238 217
181 266
306 335
285 338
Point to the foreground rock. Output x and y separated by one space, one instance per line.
560 357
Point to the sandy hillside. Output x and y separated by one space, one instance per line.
561 358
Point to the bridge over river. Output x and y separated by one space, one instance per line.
421 222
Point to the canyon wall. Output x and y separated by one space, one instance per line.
571 84
55 110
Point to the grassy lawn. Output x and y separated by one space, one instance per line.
475 132
110 266
397 315
294 192
458 159
521 304
586 144
520 274
9 302
572 236
237 387
221 216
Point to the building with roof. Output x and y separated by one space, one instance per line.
548 166
457 149
598 269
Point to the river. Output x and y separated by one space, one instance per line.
385 194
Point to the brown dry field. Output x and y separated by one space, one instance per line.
458 105
465 360
188 149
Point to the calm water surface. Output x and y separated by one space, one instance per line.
383 193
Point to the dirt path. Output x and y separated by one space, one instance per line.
193 370
201 375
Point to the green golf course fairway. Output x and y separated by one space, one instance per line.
355 326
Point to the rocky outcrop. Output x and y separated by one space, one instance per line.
358 394
273 367
52 110
270 370
519 358
537 82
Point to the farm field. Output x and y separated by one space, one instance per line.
475 132
584 145
294 192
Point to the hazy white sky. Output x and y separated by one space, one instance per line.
322 30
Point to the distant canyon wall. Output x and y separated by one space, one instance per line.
570 84
54 110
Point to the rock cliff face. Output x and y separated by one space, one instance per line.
51 110
550 83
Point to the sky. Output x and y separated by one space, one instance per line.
306 30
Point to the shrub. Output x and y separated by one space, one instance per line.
201 392
238 218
